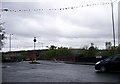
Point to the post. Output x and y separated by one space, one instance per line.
42 45
34 45
34 42
113 23
10 42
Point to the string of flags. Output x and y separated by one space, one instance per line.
59 9
116 1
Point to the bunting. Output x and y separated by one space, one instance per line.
55 9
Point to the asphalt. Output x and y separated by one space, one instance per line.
49 71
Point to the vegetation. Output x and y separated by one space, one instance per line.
24 55
1 35
55 53
1 39
63 53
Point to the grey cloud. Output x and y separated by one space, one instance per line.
75 26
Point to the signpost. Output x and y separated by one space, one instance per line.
34 42
33 55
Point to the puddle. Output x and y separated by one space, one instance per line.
5 66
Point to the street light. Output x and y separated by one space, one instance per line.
10 42
113 22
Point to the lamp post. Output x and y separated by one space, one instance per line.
113 23
10 41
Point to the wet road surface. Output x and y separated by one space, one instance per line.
49 71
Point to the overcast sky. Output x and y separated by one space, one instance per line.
75 28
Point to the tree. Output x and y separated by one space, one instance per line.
92 50
1 35
1 30
108 45
52 47
85 47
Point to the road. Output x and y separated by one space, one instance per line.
49 71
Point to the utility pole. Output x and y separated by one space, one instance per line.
41 44
113 22
10 41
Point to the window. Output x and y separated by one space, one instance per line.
108 59
116 58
